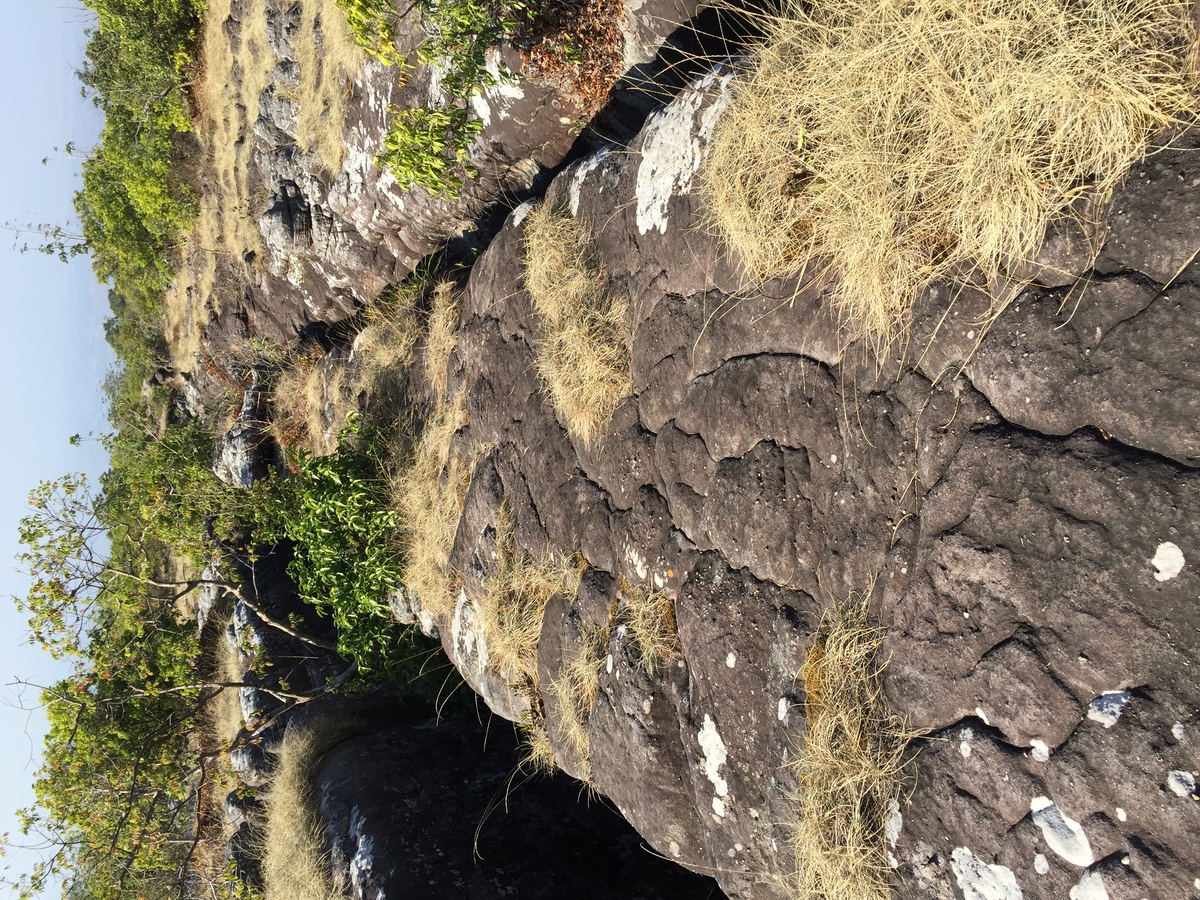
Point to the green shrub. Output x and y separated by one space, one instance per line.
371 23
334 511
427 147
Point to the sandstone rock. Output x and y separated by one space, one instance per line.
1024 505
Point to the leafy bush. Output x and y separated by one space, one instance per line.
427 147
371 23
335 512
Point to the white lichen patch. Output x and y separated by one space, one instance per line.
1181 784
584 168
981 881
731 659
467 637
894 824
1090 887
1041 865
718 806
638 562
674 848
715 755
1121 814
1039 751
1177 731
1107 708
782 710
673 148
1063 835
964 748
518 215
1167 562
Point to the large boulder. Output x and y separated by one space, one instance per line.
1025 505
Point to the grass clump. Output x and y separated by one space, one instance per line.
327 56
585 345
429 494
441 337
310 403
908 141
575 691
651 617
295 848
850 765
513 603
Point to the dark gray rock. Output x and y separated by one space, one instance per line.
432 810
243 454
1023 504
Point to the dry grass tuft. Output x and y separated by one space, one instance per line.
429 493
327 57
906 141
538 755
652 623
295 850
384 348
442 336
586 339
513 603
575 691
850 766
311 402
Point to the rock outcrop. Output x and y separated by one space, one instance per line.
1024 504
1022 501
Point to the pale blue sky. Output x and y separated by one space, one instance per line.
52 351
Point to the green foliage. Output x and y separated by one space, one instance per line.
370 22
427 147
335 511
113 793
133 204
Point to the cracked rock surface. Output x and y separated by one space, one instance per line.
1025 506
1023 503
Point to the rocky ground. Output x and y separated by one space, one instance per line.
1025 505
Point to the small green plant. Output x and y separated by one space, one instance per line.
427 147
371 23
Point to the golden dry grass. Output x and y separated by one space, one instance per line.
384 348
513 601
537 752
295 849
651 617
238 64
441 337
849 769
311 402
575 691
429 494
583 352
914 140
328 58
223 716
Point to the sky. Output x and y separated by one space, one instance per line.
52 351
